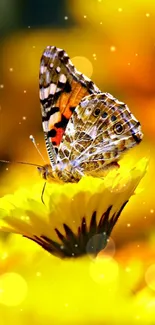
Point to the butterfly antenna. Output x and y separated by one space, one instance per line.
19 162
34 142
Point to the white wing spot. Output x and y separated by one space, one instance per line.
42 69
41 93
47 54
46 92
84 103
86 78
54 118
58 69
110 96
62 78
118 102
53 89
59 50
47 77
71 129
93 132
45 126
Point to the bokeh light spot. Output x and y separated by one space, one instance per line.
109 250
150 277
104 270
83 64
4 255
13 289
127 269
38 274
96 244
112 48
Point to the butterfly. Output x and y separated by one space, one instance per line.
85 129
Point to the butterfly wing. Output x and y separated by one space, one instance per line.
100 129
61 89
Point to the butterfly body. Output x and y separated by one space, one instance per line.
61 174
85 130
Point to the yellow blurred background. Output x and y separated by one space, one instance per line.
113 42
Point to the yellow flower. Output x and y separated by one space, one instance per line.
76 218
37 286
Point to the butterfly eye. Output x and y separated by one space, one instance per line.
96 112
118 128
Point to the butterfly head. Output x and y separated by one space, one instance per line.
46 172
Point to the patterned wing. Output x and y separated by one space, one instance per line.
100 129
61 89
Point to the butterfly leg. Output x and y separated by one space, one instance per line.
42 194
